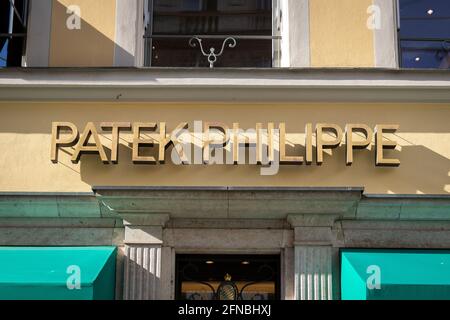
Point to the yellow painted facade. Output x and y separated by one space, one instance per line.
338 33
339 36
91 45
423 137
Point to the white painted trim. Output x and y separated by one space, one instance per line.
285 61
385 44
297 16
39 33
125 48
223 78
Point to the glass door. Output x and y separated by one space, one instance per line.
227 277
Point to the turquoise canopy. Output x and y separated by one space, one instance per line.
403 274
56 273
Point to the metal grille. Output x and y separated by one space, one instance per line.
198 36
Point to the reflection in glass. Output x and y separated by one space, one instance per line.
426 54
425 34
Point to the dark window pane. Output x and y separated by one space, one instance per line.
3 52
420 8
428 29
425 33
213 24
178 53
213 17
173 19
425 54
12 39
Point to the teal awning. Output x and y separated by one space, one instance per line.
403 274
49 273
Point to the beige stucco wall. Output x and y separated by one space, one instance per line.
93 44
336 34
424 138
330 33
339 36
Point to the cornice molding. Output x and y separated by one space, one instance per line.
224 85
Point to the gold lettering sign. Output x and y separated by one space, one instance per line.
308 144
83 145
283 157
269 143
115 130
138 142
321 144
57 141
351 144
382 144
166 140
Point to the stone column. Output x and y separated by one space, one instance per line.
316 257
142 280
143 256
313 273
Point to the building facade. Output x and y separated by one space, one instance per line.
229 149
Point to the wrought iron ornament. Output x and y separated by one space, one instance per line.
227 290
212 55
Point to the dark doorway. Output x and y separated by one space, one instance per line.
227 277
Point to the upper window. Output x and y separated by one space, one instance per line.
212 33
13 19
424 33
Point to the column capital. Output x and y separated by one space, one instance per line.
316 229
142 219
312 220
144 229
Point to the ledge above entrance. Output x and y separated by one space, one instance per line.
229 202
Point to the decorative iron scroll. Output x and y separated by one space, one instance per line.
212 55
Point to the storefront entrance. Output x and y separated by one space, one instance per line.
227 277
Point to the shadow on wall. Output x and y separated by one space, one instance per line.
424 137
140 266
94 43
421 171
